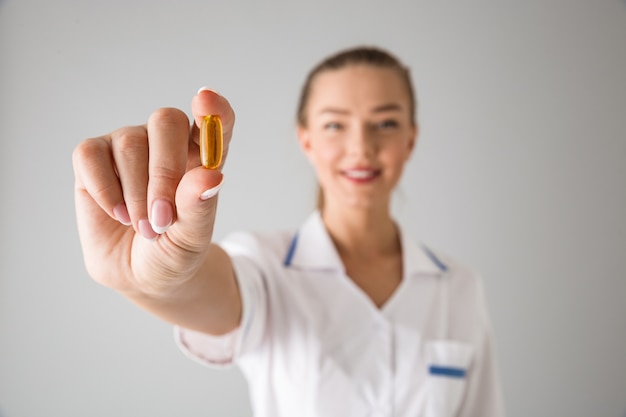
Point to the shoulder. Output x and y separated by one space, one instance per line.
456 267
464 282
465 291
425 259
257 245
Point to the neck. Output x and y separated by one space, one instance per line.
362 232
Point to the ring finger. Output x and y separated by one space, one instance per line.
130 152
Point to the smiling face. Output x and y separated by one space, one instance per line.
358 134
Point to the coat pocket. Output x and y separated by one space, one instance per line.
448 364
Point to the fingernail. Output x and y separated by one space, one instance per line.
146 230
203 88
161 216
211 192
121 214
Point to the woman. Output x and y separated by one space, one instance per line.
346 316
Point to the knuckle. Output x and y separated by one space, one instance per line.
130 142
137 202
88 149
105 192
168 118
166 174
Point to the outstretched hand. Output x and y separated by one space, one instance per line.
144 204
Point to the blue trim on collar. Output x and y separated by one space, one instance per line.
448 371
291 251
434 258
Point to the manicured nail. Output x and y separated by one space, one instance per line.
208 89
161 216
146 230
121 214
211 192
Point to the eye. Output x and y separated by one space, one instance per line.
387 124
333 126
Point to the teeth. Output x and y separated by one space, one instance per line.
360 174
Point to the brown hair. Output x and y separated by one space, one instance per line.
363 55
356 56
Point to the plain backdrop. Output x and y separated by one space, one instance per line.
520 172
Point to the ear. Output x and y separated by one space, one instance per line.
412 140
304 138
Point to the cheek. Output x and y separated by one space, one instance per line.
325 164
396 157
401 150
325 154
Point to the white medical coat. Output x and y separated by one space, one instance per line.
312 343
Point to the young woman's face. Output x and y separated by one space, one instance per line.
359 134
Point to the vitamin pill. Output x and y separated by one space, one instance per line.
211 142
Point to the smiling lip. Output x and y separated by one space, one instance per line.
361 174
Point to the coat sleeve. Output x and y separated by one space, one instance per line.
224 350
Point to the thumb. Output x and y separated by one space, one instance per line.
196 205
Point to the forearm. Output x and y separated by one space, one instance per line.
209 301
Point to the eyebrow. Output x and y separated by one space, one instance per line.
333 110
378 109
387 107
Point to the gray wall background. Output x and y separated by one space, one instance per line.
520 172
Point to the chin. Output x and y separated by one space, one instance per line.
361 203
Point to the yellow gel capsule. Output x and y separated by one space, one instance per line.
211 142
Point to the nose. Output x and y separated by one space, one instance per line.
361 142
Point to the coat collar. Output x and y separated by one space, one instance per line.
313 249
